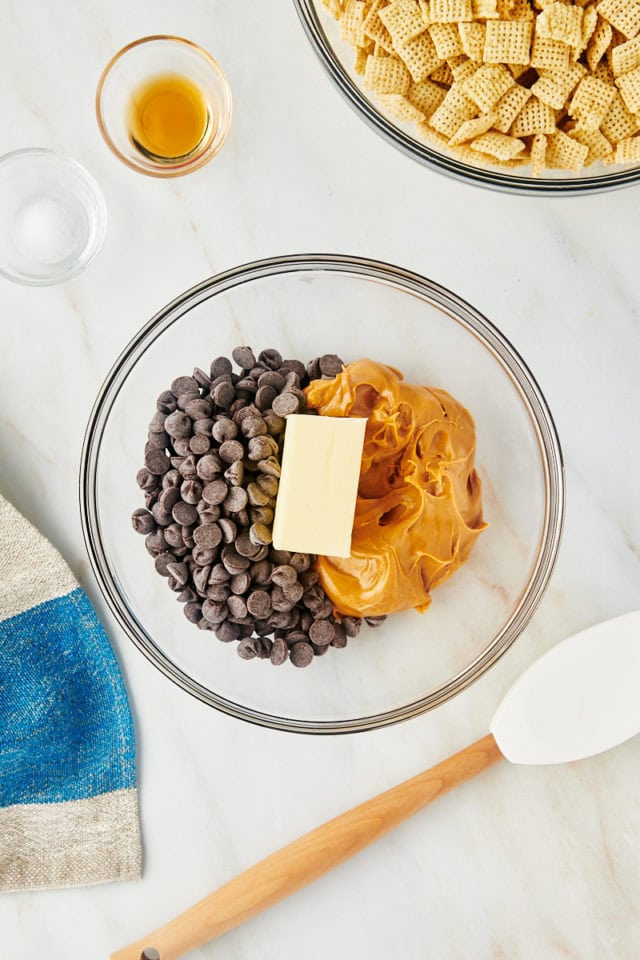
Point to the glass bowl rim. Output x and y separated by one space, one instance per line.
100 216
457 310
480 176
175 170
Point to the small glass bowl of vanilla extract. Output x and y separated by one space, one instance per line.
163 106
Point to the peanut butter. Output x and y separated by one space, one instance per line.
419 506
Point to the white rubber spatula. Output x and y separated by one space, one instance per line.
580 698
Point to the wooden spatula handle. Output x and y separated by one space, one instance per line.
306 859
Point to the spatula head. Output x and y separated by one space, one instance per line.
580 698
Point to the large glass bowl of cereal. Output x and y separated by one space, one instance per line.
528 96
327 463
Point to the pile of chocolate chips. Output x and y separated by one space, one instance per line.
210 479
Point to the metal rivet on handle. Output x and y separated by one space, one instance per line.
150 953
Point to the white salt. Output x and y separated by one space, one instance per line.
48 229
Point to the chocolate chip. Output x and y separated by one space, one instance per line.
227 632
224 395
224 429
229 529
166 402
236 499
147 480
301 654
235 473
201 377
178 425
168 499
279 652
218 591
162 562
215 611
232 560
207 535
236 606
203 556
270 466
156 461
322 632
246 650
181 447
198 408
200 443
204 426
240 582
179 573
271 358
260 534
184 513
209 467
142 521
253 427
193 612
330 365
244 357
220 366
231 451
351 626
215 492
375 621
219 574
191 491
200 579
184 385
265 397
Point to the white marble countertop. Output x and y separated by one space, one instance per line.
525 863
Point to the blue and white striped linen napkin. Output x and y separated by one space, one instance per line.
68 797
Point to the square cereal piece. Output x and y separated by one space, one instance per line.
403 20
625 57
361 61
622 14
564 153
443 75
589 24
490 82
559 21
401 108
472 39
426 96
618 123
599 43
419 56
386 75
599 146
604 72
555 89
472 128
446 39
591 101
352 23
629 87
515 10
535 117
461 67
375 29
508 41
551 55
334 7
628 151
425 11
451 11
498 145
509 106
452 112
485 9
537 154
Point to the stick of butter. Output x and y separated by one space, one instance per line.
316 499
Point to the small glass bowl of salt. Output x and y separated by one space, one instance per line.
52 217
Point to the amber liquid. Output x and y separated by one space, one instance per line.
169 119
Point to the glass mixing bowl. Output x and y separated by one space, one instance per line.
305 306
337 58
